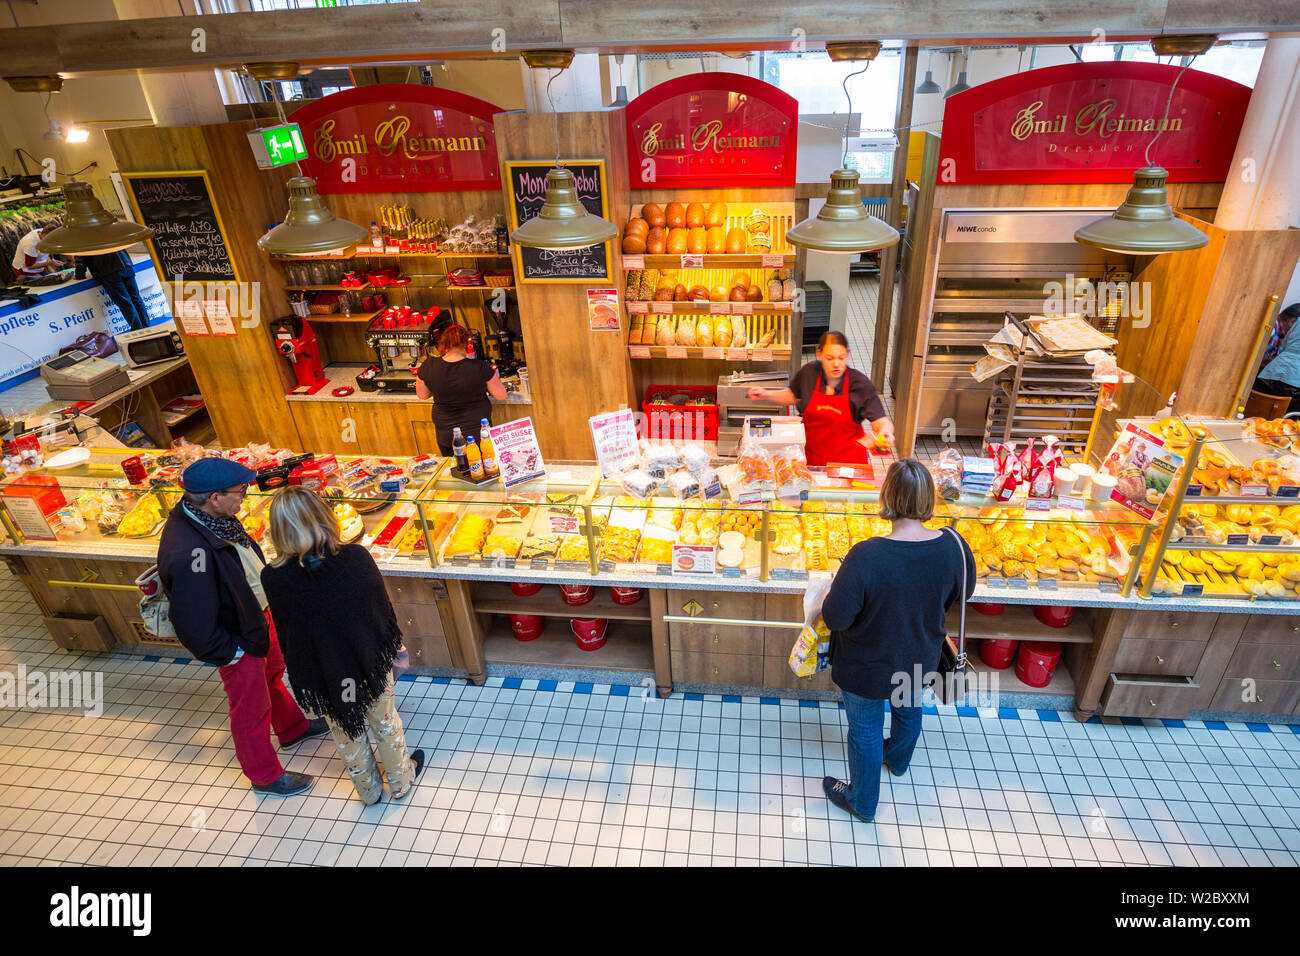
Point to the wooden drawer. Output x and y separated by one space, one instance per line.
1271 629
428 650
1134 695
420 620
1269 696
736 605
1265 662
1166 658
696 668
415 591
1171 625
777 641
777 673
705 634
715 639
81 632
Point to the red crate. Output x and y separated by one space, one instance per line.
681 422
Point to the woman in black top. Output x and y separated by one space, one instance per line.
339 634
459 387
886 610
834 401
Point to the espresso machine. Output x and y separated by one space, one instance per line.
296 341
400 339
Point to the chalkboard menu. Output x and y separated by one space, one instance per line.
528 192
188 240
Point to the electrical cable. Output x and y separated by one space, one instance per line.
1168 103
58 172
848 118
554 114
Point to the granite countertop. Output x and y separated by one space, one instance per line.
345 374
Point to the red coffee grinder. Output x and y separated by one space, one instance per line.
297 342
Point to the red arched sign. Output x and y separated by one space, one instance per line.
1091 123
399 138
712 130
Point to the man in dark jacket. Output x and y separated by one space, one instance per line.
117 275
211 570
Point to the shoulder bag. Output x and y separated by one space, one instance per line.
953 673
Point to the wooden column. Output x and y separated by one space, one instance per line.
242 377
573 372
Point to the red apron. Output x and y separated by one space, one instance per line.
830 432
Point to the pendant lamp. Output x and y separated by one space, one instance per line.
843 224
563 222
88 228
1144 224
309 227
928 85
959 87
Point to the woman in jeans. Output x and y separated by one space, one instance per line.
886 610
339 634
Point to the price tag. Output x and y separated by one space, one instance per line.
692 262
773 260
1195 539
606 567
732 572
663 569
742 308
392 250
1018 584
639 351
1238 539
1288 491
1038 504
713 353
997 581
1047 584
1195 491
633 262
1193 590
477 561
719 308
782 306
675 351
1270 540
570 565
539 564
1070 503
1110 587
1254 491
563 524
761 355
737 355
638 308
383 554
460 561
661 308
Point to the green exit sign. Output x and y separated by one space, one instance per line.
277 145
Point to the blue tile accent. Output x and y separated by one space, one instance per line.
1131 721
1260 728
181 660
618 690
1295 729
1172 722
1215 725
546 685
769 700
582 688
442 680
209 664
730 699
153 658
967 712
695 696
1008 713
1094 719
410 677
512 683
810 703
927 709
1049 716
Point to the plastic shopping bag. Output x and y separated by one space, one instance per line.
811 653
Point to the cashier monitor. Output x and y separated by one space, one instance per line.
80 377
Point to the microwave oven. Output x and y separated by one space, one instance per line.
141 347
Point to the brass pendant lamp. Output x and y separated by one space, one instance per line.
88 228
843 224
563 222
1145 224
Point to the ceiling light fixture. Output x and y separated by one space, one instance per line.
928 85
88 228
563 222
76 134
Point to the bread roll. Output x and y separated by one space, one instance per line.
686 330
737 293
637 225
696 240
695 214
716 214
653 213
676 241
737 241
718 294
722 331
675 215
754 294
699 292
679 293
633 244
655 241
704 331
715 240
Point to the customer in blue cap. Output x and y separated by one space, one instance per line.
212 572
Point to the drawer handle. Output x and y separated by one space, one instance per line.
409 622
1277 666
1159 659
1151 702
1173 623
715 674
1259 698
1295 627
715 640
419 652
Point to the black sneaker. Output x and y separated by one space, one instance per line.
417 759
316 728
286 785
837 793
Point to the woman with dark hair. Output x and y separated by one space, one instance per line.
459 387
887 611
834 401
1279 373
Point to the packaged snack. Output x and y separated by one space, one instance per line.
948 474
1042 476
1008 473
710 484
683 484
695 458
754 466
658 459
422 464
665 334
791 471
639 483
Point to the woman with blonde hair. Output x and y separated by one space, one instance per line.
340 635
887 611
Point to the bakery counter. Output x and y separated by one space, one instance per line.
345 376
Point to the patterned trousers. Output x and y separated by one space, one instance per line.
386 725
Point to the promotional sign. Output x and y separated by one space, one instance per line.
602 310
189 240
614 436
399 138
1091 123
527 181
712 130
27 518
518 455
31 336
1144 470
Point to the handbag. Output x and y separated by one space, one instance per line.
953 673
94 344
155 605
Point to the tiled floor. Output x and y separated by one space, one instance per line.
528 772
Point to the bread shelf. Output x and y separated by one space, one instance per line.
714 261
775 354
704 308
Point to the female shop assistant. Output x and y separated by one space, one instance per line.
459 387
834 401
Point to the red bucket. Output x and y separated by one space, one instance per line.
625 595
526 627
1036 662
992 610
576 594
1054 615
589 632
524 588
998 654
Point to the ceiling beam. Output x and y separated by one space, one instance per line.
441 29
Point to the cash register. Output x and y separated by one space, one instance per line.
76 376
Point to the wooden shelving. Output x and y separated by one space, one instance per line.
714 261
328 288
335 317
698 307
780 353
499 599
627 646
1017 623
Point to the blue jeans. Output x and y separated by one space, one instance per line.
868 748
125 294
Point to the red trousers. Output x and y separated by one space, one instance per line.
260 703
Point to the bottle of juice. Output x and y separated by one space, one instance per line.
458 449
475 459
488 451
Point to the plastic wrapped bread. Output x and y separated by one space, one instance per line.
704 331
664 333
722 335
738 336
686 330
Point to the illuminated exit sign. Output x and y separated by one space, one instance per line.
277 145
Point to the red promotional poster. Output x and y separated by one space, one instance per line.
1091 123
712 130
399 137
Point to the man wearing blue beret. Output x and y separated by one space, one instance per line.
211 570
